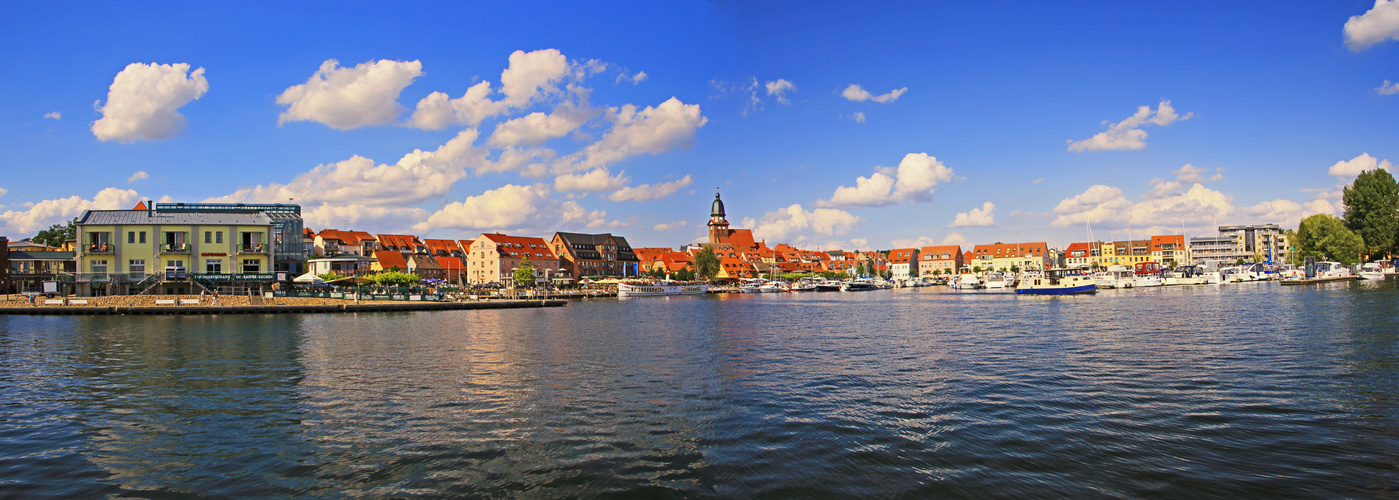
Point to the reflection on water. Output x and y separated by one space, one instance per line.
1241 390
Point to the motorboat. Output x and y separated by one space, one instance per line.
659 288
1057 282
1372 271
1330 269
993 279
1168 277
771 287
1189 275
1118 276
1147 274
858 286
967 281
752 285
828 286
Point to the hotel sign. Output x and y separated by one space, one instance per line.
224 254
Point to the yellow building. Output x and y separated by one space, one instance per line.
177 251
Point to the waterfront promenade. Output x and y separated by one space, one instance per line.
194 304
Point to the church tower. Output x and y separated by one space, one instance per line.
718 226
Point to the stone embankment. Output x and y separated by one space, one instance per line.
194 304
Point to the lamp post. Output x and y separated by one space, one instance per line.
546 284
514 294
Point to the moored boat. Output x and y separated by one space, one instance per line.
660 288
1057 282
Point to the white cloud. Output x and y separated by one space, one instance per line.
530 76
1376 25
595 180
1218 175
1354 166
858 94
514 207
4 191
653 130
800 226
977 217
363 218
137 176
1388 88
1288 213
955 239
535 128
54 115
43 214
1037 181
346 98
647 192
670 225
779 89
636 79
858 117
747 88
1127 134
143 99
418 176
913 181
922 241
1186 175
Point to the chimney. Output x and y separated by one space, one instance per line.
150 208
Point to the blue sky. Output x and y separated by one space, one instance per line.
868 125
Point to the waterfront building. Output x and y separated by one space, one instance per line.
1169 250
180 250
1131 252
1256 242
285 240
903 261
494 257
308 243
1214 249
603 255
1010 256
721 236
344 264
449 256
333 242
733 269
939 260
1083 254
26 270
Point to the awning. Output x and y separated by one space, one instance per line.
309 278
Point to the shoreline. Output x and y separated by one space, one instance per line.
82 310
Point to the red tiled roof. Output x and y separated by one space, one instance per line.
389 259
742 239
140 205
433 246
450 263
937 250
1157 241
901 255
517 245
399 241
349 237
1035 248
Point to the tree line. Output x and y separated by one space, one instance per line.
1368 230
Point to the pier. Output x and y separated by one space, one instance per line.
81 310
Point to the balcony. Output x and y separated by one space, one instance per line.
258 249
98 248
174 248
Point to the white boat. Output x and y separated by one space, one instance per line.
1057 282
1116 277
993 279
660 288
858 286
1189 275
1371 271
772 287
1147 274
751 285
1331 270
967 281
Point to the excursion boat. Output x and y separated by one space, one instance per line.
1057 282
1147 274
660 288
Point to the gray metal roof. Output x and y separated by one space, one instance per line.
18 255
147 217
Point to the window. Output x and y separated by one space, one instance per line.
214 266
208 236
131 237
99 266
175 263
218 237
252 266
142 237
136 266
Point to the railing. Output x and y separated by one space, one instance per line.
99 248
102 277
252 249
180 248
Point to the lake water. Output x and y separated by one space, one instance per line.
1247 390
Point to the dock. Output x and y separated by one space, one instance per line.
278 309
1314 281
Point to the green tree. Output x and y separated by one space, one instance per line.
683 275
525 274
1372 210
395 278
56 234
706 264
1326 236
1240 262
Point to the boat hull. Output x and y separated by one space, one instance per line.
629 290
1058 290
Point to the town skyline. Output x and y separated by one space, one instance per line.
824 127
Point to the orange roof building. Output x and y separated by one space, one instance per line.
494 257
939 259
